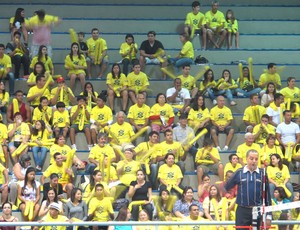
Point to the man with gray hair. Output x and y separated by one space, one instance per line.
242 149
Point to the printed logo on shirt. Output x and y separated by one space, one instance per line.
170 175
127 169
121 132
137 82
59 175
296 95
140 115
60 120
163 113
100 117
199 115
221 116
185 85
117 82
278 175
100 209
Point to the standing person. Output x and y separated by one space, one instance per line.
19 54
41 24
5 70
195 23
128 51
7 216
250 180
232 29
96 45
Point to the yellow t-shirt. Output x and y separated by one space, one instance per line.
63 177
35 90
72 63
207 85
41 136
48 20
169 174
102 209
203 154
40 115
214 20
261 139
232 85
249 113
278 175
116 82
5 62
229 167
196 117
32 78
97 151
79 116
125 49
4 98
187 82
123 132
165 148
60 219
113 174
48 63
269 152
221 116
20 132
61 119
195 20
232 27
293 94
267 77
3 133
143 148
101 115
139 114
166 111
137 81
129 171
243 149
2 179
187 50
64 150
65 99
91 43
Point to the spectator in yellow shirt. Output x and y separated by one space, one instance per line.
270 76
232 29
36 92
43 57
128 51
291 92
39 69
188 81
66 96
232 165
5 69
17 23
262 130
61 120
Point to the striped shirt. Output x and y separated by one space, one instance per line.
250 187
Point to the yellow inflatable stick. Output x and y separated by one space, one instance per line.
250 66
168 72
73 35
98 49
70 157
31 210
15 105
139 133
241 72
19 150
82 119
119 152
107 130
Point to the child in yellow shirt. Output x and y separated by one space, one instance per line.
61 120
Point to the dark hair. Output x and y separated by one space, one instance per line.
56 154
169 154
81 97
112 72
231 156
92 180
191 206
129 36
43 68
135 63
81 33
158 95
3 92
164 190
277 96
253 95
2 46
40 54
18 91
153 133
6 202
40 105
17 33
53 175
85 93
94 29
151 32
270 136
17 114
248 77
23 159
55 196
18 17
39 77
196 106
78 52
35 131
280 164
145 211
229 79
290 78
99 186
232 18
219 197
286 111
205 175
122 215
167 131
60 104
195 4
271 65
41 14
33 184
267 88
207 142
186 188
205 80
265 116
73 193
281 191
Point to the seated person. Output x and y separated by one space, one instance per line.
62 93
178 97
270 75
291 93
89 94
61 120
268 97
275 110
4 157
44 58
207 86
17 23
232 165
128 51
53 183
188 81
6 70
43 111
269 148
4 98
36 92
263 130
39 69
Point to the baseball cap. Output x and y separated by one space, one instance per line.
55 206
60 79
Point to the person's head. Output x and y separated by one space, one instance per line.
252 158
52 195
99 190
209 76
58 159
186 70
96 177
102 138
265 119
220 101
228 175
17 36
81 36
25 161
76 195
196 6
233 158
272 68
2 86
199 103
116 70
20 13
74 48
230 15
249 138
54 180
41 14
276 161
39 68
291 81
2 49
95 33
7 208
153 137
143 215
44 102
161 99
183 120
60 81
170 159
214 192
88 86
29 175
18 117
136 68
205 178
271 88
54 209
129 39
168 135
164 194
81 101
271 139
101 99
188 193
19 95
177 83
207 143
123 215
184 38
140 175
40 125
278 98
128 154
194 211
279 193
226 75
214 6
60 140
287 116
246 72
40 81
254 99
42 51
120 117
140 99
151 36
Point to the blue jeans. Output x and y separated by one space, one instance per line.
248 94
211 94
39 160
227 92
179 62
11 82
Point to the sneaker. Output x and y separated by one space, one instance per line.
240 94
38 168
233 103
219 148
215 102
74 146
225 148
90 147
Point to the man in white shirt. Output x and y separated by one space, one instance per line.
274 110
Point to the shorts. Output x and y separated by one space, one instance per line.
75 126
227 129
209 168
104 60
217 31
15 144
152 61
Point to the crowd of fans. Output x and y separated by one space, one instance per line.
121 165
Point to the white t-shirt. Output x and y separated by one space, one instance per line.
274 114
29 193
288 132
182 95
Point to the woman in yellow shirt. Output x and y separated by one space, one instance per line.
75 63
17 23
4 98
43 111
128 51
207 86
43 57
39 69
90 94
40 133
144 217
